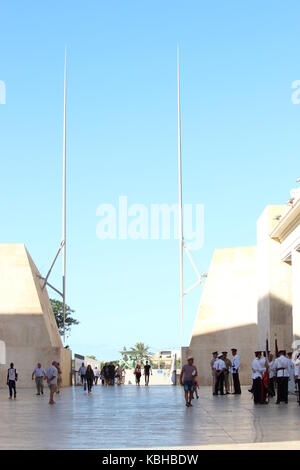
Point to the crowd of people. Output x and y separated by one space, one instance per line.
271 376
111 374
275 376
53 376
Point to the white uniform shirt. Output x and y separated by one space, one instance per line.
272 372
96 372
291 368
297 368
52 372
282 363
39 372
235 364
258 369
219 365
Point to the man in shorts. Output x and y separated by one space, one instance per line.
187 379
52 381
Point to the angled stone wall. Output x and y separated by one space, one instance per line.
227 314
27 323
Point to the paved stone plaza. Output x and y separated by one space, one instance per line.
119 417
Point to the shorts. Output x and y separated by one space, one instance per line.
52 388
188 385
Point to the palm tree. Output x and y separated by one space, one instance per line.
140 351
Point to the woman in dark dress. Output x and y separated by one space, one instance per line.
89 378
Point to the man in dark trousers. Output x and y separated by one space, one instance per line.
220 368
282 370
147 371
258 370
235 369
12 378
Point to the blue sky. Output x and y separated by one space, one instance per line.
240 143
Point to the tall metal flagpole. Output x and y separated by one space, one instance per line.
180 197
64 199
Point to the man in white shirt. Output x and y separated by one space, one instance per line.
235 369
39 375
52 381
82 372
282 371
258 370
220 368
213 370
96 375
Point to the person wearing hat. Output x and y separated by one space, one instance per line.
258 370
227 372
235 368
220 368
282 370
213 370
187 378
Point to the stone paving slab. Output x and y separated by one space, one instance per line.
153 417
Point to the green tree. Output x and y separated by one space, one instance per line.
140 351
58 310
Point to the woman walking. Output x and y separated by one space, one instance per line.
90 377
137 373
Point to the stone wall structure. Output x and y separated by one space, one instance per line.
252 296
27 324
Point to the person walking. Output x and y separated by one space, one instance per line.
96 375
235 370
147 371
220 368
39 375
118 373
137 373
187 378
12 377
51 375
213 370
106 373
282 371
102 376
82 372
90 377
111 373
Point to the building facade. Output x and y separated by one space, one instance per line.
251 299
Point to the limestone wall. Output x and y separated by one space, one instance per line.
274 283
27 323
227 314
